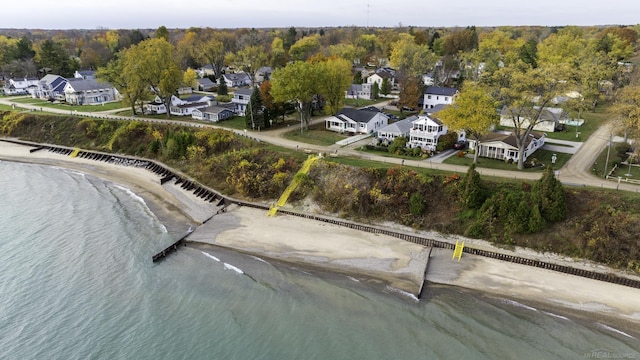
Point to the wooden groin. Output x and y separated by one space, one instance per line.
170 249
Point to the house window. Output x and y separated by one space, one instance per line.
429 97
446 98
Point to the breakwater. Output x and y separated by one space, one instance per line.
166 174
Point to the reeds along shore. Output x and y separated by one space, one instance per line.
294 241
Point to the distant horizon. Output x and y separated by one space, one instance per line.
278 14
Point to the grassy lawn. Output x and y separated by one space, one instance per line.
84 108
592 122
543 156
316 135
4 107
598 168
361 102
25 100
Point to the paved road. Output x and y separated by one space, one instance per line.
577 171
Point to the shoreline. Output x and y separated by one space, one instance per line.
351 252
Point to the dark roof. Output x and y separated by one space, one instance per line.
191 104
215 109
437 90
244 91
436 108
358 115
206 82
371 108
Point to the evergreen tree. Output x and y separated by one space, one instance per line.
222 88
536 222
417 205
472 192
375 91
550 197
385 89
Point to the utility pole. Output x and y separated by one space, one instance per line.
606 164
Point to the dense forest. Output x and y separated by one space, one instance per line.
520 68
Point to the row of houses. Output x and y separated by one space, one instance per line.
202 107
82 89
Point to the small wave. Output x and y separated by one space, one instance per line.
353 279
259 259
164 228
517 304
403 293
130 193
556 315
210 256
231 267
615 330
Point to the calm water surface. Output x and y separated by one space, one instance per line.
77 282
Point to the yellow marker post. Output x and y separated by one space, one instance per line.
75 152
457 252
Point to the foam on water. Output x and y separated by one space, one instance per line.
259 259
556 315
130 193
403 293
517 304
231 267
615 330
210 256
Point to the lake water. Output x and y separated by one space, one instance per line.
77 282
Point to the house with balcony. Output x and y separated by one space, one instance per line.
357 121
425 132
241 98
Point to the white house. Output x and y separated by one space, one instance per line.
425 132
401 128
241 99
50 87
380 75
89 92
186 106
360 91
21 86
435 95
549 119
206 70
236 80
503 146
355 121
212 113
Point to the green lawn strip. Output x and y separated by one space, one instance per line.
27 100
316 135
543 156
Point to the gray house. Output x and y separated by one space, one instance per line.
88 92
212 113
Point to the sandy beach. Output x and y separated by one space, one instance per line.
370 256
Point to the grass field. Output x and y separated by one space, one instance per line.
84 108
316 135
543 156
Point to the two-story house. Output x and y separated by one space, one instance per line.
425 132
50 87
89 92
360 91
435 95
241 98
235 80
22 86
401 128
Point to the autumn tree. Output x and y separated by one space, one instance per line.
254 115
524 92
162 33
153 63
211 50
278 54
411 90
299 82
626 110
409 58
473 111
248 59
335 77
134 92
305 48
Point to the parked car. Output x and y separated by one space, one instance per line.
460 145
